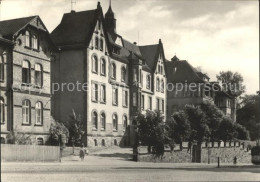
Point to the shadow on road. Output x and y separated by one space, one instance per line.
252 169
122 156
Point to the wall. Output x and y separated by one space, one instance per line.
35 153
226 152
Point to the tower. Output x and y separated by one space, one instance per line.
110 21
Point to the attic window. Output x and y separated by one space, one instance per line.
115 50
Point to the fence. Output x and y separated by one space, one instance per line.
29 153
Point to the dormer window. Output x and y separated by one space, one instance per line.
96 42
35 42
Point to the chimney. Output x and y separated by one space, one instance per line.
135 43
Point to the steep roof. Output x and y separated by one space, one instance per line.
75 28
9 27
184 72
150 54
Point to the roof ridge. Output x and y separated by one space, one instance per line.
19 18
76 12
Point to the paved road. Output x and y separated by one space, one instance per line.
115 165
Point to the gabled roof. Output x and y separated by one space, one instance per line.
184 72
10 27
75 28
150 54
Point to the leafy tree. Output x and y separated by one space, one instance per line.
232 82
226 130
152 131
18 138
214 116
249 115
179 127
199 128
242 132
76 129
58 134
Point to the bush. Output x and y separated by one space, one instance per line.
18 138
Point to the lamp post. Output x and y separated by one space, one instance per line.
72 141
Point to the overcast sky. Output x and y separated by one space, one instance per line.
214 35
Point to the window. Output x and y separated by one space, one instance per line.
115 96
125 98
95 142
115 142
103 67
103 93
38 113
94 92
39 141
2 68
142 103
134 99
150 102
157 84
148 81
162 105
96 42
26 72
101 44
140 77
35 42
124 122
94 120
158 104
26 112
2 110
27 39
123 74
135 75
115 123
38 75
162 86
103 143
113 71
94 64
103 121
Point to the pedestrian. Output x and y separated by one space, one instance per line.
82 153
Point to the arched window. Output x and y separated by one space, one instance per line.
157 84
115 96
39 141
95 142
35 42
115 142
2 68
26 72
101 44
94 120
162 86
103 67
38 75
113 70
94 64
123 74
96 42
124 122
27 39
148 81
115 122
2 110
26 112
103 143
38 113
103 121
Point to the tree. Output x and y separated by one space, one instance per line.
226 130
152 131
76 129
18 138
214 116
199 128
249 115
232 82
242 132
179 127
58 134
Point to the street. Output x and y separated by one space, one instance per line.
115 165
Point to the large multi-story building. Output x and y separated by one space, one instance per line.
25 56
122 77
188 85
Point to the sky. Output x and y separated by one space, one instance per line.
213 35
